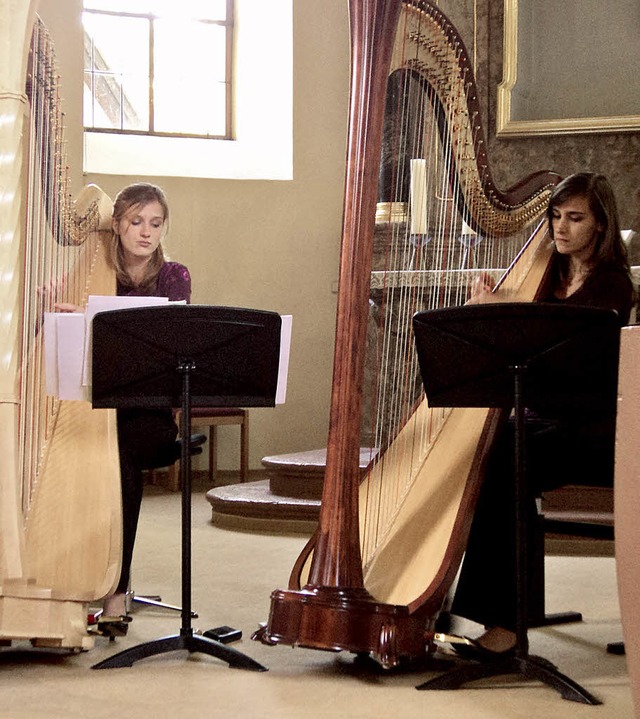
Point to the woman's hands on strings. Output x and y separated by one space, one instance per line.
67 307
47 293
482 290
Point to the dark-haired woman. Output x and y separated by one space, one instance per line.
589 267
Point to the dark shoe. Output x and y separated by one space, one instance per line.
472 649
196 441
113 627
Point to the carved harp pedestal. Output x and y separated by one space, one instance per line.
60 516
387 548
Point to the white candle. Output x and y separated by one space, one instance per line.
418 197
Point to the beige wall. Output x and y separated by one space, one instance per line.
265 245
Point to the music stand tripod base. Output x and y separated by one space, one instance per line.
529 666
542 357
184 355
190 642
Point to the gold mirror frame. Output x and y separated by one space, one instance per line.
560 126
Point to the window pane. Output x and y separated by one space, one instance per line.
184 91
109 106
117 72
203 9
189 87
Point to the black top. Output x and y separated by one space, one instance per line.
588 439
609 288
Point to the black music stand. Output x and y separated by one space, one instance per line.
544 357
183 356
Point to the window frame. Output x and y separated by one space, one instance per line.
228 23
262 148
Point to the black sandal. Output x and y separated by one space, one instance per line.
471 649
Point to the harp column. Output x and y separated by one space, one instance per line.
17 20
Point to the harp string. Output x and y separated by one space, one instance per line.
55 265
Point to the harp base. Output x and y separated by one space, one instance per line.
45 622
338 619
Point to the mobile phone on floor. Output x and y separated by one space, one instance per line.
224 634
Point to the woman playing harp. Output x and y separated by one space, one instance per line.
387 548
589 267
60 525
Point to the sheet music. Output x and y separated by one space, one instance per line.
64 350
283 368
67 344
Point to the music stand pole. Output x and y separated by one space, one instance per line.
186 367
532 667
187 639
235 353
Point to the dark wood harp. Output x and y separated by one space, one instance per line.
387 548
60 522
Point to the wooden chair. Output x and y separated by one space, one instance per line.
575 511
211 417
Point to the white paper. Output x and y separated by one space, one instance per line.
71 331
67 344
50 330
64 348
285 348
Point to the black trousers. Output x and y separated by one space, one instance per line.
146 440
559 452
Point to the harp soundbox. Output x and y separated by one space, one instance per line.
374 576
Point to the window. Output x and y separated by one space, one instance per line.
144 62
158 93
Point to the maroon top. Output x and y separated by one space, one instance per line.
174 282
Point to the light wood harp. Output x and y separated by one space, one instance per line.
60 525
422 218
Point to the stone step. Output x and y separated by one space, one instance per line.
301 474
254 505
290 495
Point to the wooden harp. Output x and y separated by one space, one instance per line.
60 521
387 547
